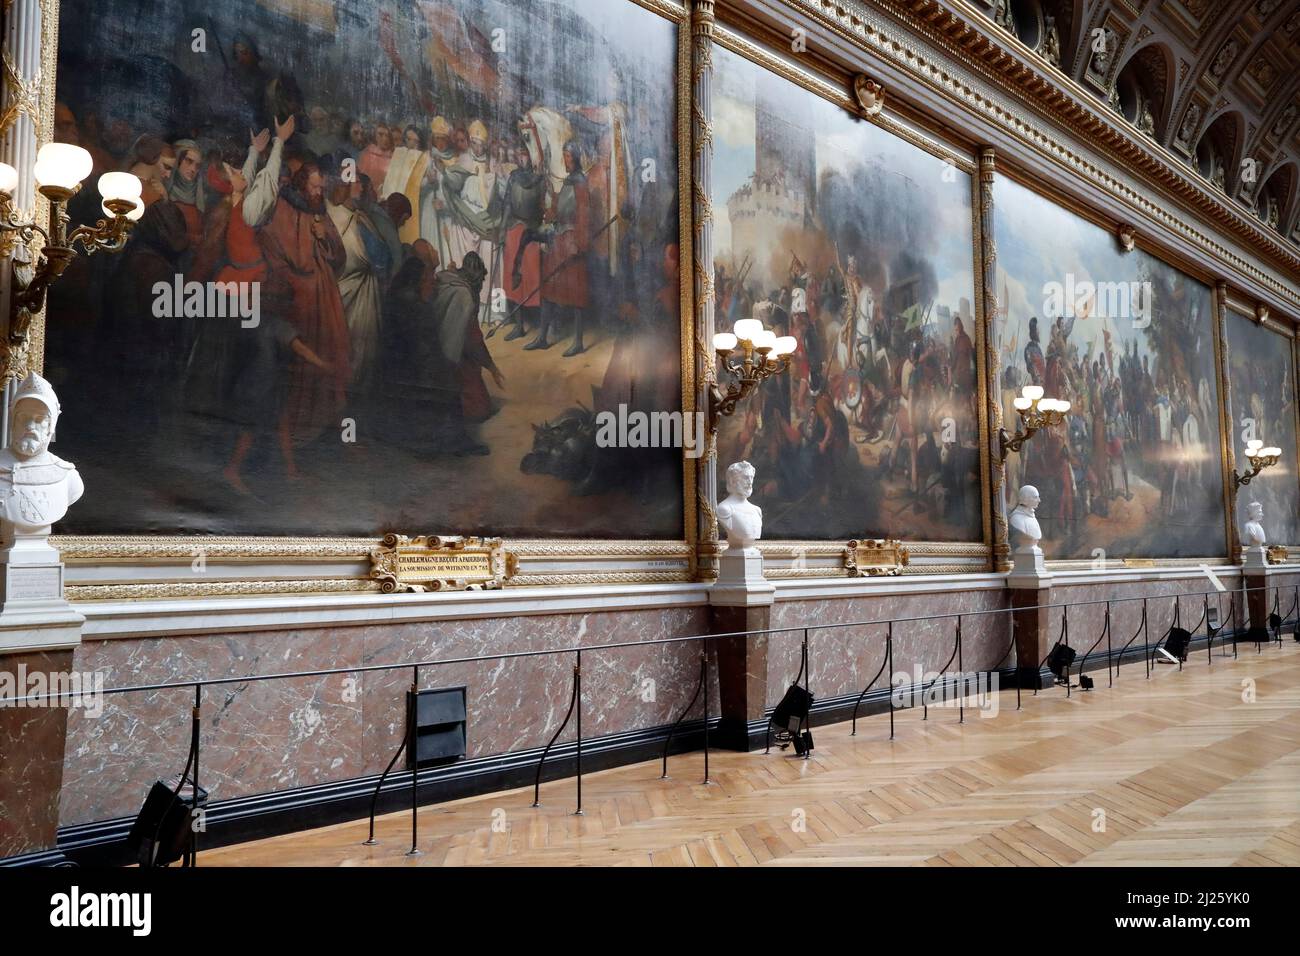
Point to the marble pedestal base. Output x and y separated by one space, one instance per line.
1257 594
741 600
39 630
34 616
1028 570
1030 626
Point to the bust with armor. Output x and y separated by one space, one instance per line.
36 487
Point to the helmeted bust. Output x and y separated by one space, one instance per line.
36 487
1024 521
740 518
1252 535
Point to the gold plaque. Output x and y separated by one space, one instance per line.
874 556
440 563
1139 562
1277 554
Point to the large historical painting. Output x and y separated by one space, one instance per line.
858 244
1261 379
1135 471
451 232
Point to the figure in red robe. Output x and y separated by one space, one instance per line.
303 248
564 266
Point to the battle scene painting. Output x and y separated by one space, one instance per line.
857 243
395 260
1135 470
1261 384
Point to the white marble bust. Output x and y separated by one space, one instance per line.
737 515
1024 521
36 487
1252 535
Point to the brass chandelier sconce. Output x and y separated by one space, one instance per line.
59 171
751 353
1259 458
1036 412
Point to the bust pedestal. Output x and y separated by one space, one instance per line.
34 615
39 631
740 580
1256 560
741 600
1028 570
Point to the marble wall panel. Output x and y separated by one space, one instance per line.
272 735
844 658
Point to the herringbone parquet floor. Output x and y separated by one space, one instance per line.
1200 767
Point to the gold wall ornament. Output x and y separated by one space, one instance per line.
440 563
1276 554
871 557
869 94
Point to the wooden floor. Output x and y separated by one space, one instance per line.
1178 770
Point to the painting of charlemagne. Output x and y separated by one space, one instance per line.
397 258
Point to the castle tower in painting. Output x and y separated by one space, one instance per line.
781 194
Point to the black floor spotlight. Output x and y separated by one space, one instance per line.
1174 649
1086 682
1059 661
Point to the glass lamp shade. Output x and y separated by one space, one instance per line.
120 186
1022 404
1032 392
785 345
62 166
766 339
748 329
1062 405
1272 452
724 341
134 215
1253 444
8 179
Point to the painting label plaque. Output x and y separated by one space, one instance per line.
440 563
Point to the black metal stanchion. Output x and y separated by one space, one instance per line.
412 710
673 729
704 680
961 678
925 692
1146 638
195 726
806 668
858 703
889 650
537 781
1110 678
577 691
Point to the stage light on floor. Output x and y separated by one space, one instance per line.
1085 682
1177 643
1059 661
